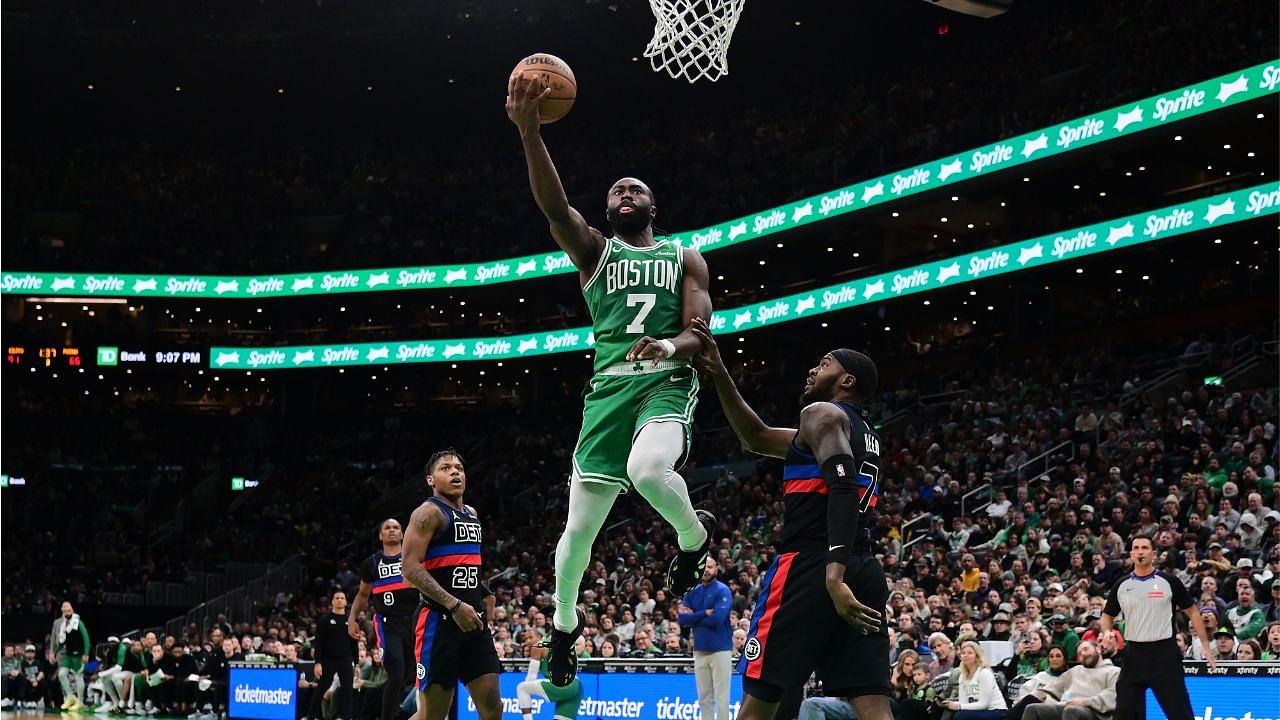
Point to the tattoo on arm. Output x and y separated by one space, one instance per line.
426 520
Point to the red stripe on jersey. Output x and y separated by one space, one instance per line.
862 495
450 560
418 632
812 485
776 589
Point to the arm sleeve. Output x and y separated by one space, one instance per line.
84 634
1112 607
842 507
852 482
1181 596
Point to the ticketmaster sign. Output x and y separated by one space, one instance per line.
1148 114
1171 221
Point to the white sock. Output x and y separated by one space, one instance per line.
651 468
524 696
589 505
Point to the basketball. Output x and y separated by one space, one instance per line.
555 74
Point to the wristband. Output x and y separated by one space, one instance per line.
455 607
668 346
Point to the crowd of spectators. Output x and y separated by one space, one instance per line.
1192 465
202 204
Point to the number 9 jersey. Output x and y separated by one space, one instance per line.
389 593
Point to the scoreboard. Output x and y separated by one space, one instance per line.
103 356
44 356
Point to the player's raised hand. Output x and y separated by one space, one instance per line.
466 617
853 612
647 348
523 98
708 361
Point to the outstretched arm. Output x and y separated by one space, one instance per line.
754 435
696 300
568 227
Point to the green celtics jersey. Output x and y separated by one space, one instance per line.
634 292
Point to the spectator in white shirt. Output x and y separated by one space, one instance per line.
979 695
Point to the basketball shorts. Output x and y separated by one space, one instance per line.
795 630
566 698
616 408
447 655
395 636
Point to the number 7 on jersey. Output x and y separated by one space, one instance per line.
646 301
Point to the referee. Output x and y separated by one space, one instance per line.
1149 601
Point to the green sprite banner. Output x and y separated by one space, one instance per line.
1154 112
1037 252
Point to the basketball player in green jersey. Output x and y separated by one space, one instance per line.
643 295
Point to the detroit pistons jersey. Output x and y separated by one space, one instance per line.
805 492
453 556
390 594
634 291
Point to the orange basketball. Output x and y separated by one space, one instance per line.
555 74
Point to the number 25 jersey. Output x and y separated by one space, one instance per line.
453 557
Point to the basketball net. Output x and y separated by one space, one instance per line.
691 37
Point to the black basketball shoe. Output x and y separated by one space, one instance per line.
562 660
686 568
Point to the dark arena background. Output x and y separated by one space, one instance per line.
263 258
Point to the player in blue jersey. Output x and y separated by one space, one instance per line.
810 614
395 604
442 560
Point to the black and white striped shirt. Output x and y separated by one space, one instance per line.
1148 604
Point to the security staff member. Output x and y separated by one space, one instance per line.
1149 600
335 655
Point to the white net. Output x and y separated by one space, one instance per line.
691 37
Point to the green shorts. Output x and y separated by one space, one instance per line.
616 407
566 698
74 663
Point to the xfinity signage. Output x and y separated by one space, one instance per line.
1151 113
